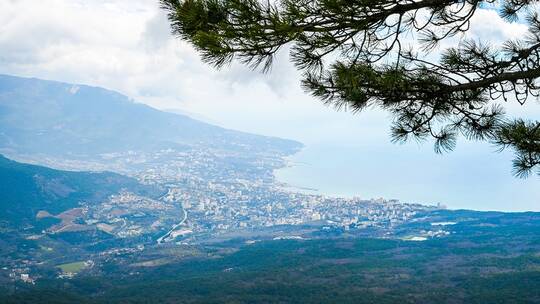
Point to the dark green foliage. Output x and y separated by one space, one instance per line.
490 257
360 53
319 271
26 189
524 137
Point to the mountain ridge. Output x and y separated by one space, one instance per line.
57 118
26 189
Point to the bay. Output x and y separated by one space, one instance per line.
474 176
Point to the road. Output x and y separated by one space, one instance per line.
166 235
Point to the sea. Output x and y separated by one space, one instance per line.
474 176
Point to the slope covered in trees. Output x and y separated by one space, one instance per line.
489 258
27 189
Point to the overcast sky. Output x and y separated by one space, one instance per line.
125 45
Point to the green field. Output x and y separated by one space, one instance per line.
72 267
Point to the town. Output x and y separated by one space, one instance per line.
209 192
205 195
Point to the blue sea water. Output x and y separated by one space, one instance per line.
474 176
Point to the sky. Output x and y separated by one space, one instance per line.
126 45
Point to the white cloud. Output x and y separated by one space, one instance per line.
127 46
488 25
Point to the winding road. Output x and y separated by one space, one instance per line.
166 235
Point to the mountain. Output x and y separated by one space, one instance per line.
60 119
27 189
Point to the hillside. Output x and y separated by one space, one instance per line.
477 263
60 119
27 189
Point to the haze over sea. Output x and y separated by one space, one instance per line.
361 161
469 178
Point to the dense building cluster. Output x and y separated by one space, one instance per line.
210 192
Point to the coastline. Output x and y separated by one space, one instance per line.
288 163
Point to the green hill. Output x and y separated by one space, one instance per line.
26 189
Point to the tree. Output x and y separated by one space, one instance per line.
379 53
